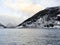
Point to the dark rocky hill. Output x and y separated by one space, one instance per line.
44 18
2 26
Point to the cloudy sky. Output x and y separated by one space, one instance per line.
16 11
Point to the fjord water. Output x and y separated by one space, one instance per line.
29 36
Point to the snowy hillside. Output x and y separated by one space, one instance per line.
47 18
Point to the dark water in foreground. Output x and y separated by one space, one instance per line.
29 36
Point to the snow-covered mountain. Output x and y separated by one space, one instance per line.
7 21
49 17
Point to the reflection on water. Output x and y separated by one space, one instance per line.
29 36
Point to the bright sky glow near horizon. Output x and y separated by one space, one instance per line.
16 11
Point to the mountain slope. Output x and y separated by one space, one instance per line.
44 18
2 26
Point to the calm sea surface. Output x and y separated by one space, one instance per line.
29 36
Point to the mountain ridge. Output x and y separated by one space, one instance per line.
50 12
